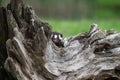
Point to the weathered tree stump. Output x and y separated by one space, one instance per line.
28 53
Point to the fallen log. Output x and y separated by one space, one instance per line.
30 54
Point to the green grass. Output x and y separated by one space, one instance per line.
73 27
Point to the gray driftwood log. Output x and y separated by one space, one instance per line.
31 54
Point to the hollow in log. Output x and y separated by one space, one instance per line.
30 54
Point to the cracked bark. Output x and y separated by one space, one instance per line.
27 52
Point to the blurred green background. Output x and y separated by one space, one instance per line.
71 17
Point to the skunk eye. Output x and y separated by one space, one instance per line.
60 37
55 36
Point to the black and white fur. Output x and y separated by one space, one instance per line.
57 39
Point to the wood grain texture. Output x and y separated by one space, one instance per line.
93 55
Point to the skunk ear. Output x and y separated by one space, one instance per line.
61 35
